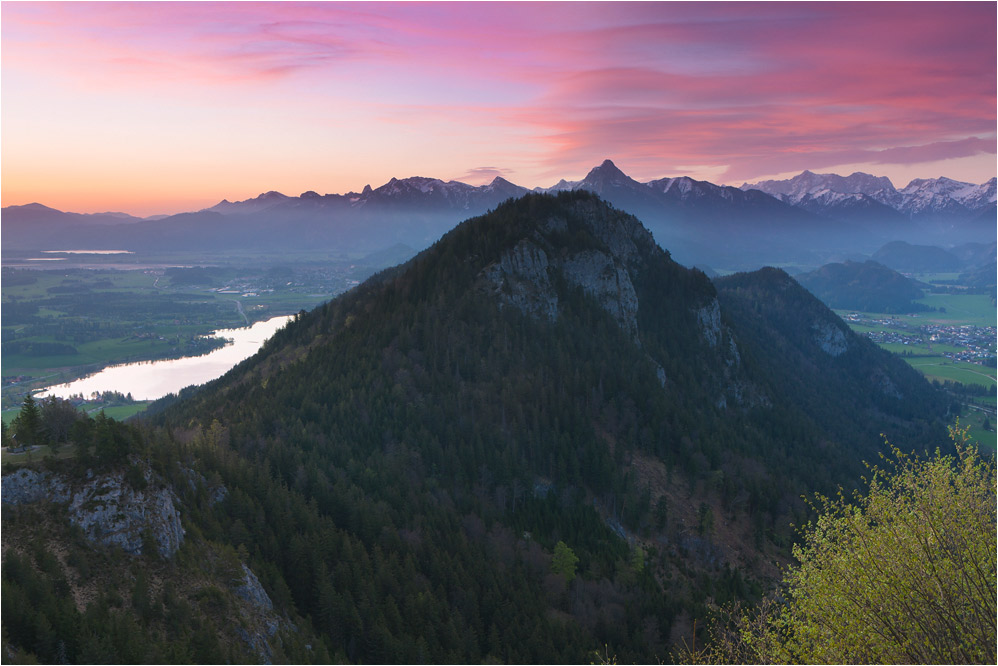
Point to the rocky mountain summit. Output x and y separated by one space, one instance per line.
521 277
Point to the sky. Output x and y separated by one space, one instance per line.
156 108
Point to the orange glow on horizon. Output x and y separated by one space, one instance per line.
156 108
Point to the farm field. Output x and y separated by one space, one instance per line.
942 369
122 412
973 309
986 438
935 344
920 350
952 310
62 323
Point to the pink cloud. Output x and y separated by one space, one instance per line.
483 175
813 88
932 152
752 88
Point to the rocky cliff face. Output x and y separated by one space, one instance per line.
523 276
604 253
107 507
829 338
604 277
260 623
26 486
521 279
133 509
709 318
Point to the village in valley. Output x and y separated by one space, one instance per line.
967 343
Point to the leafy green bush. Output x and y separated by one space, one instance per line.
904 574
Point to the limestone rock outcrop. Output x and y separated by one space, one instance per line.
109 509
830 338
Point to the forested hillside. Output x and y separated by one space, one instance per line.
866 286
539 437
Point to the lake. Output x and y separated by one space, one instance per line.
150 380
87 252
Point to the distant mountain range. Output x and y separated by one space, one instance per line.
808 216
932 199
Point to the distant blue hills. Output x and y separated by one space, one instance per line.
805 219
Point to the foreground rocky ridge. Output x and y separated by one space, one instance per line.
110 510
118 531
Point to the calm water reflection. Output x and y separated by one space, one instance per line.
149 380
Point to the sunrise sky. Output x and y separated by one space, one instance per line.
165 107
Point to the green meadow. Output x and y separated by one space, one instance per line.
932 349
942 369
116 412
955 309
950 310
927 357
986 438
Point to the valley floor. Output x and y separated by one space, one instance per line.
954 346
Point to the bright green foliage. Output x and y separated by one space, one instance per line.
905 574
564 561
638 559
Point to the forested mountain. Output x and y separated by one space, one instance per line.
917 258
975 255
539 437
865 286
547 369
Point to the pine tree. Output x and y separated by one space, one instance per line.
28 424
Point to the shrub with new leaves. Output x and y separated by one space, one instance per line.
564 560
904 574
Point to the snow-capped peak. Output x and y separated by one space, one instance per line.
935 195
808 183
561 186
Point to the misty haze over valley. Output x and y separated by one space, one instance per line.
806 220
